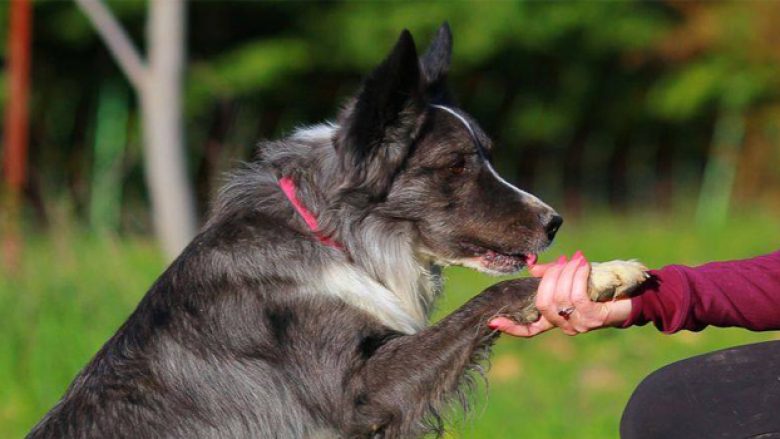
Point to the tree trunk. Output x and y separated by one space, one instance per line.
105 198
572 170
173 207
664 180
617 177
16 128
159 88
718 180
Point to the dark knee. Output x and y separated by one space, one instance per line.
711 395
654 408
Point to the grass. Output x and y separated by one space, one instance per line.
75 289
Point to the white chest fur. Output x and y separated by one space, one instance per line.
401 310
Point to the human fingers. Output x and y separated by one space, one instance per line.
510 327
545 295
588 315
562 296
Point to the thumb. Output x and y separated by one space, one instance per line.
538 270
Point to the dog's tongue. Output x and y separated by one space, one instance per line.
530 259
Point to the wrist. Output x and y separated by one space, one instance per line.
618 312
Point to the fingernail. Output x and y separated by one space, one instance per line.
493 325
577 255
561 260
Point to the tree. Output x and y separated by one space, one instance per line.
158 85
16 125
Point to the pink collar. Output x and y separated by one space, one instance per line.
290 191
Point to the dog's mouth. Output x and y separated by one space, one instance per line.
494 260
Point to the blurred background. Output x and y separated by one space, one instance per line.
654 127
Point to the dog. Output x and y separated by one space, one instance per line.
301 308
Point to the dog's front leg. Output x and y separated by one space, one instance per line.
405 381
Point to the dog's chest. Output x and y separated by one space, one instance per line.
400 310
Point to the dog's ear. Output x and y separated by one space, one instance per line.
435 63
380 125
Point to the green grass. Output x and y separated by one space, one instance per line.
74 290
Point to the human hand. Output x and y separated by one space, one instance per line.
564 287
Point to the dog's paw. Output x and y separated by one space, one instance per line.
514 299
615 279
527 314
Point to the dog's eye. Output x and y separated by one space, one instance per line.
458 166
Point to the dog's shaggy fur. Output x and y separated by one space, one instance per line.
260 330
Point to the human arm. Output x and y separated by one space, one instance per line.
743 293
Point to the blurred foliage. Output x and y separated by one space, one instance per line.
632 89
721 54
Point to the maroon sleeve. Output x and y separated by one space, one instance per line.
743 293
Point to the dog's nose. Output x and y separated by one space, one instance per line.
552 226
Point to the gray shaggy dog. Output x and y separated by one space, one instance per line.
301 308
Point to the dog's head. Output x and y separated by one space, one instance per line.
408 154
